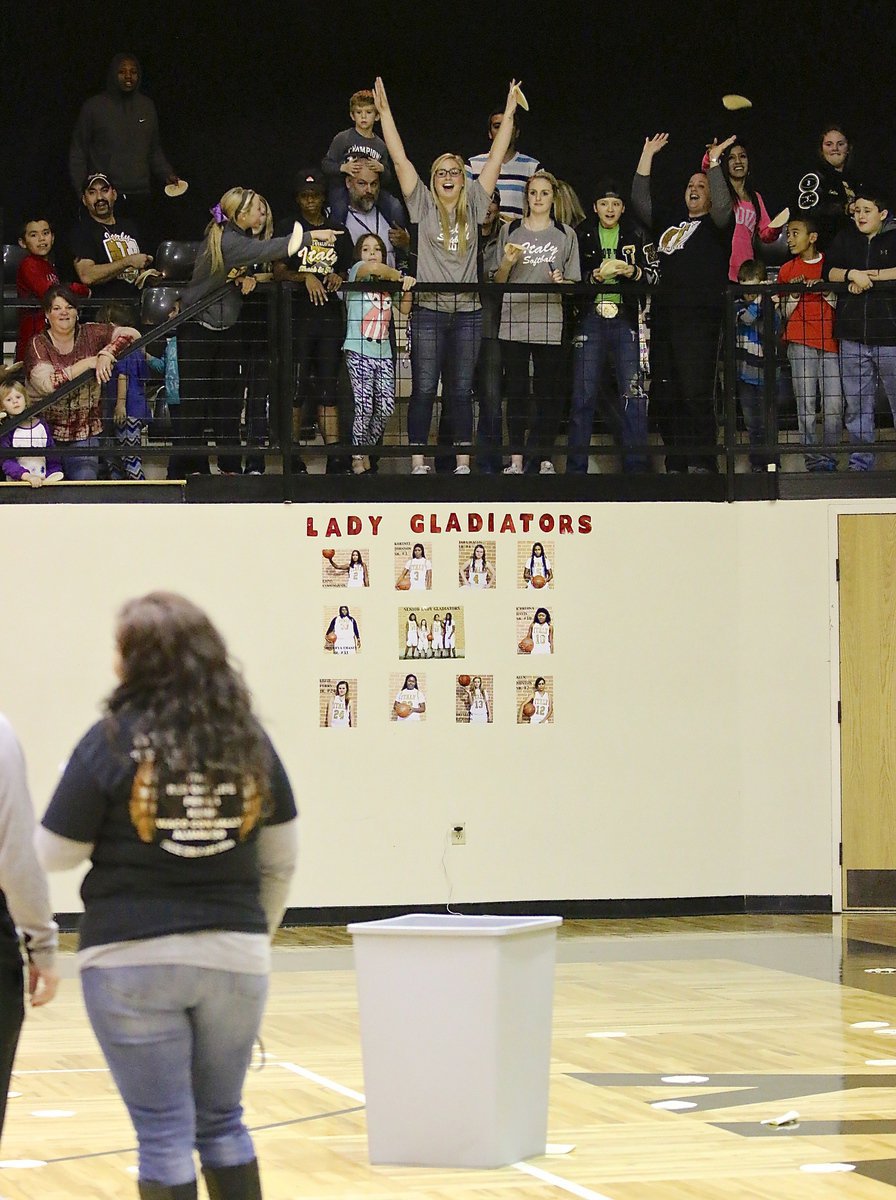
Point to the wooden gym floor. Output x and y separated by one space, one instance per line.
673 1041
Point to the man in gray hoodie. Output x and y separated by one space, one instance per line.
117 133
25 913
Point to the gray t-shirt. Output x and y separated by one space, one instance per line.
537 316
437 263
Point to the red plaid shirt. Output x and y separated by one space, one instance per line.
78 416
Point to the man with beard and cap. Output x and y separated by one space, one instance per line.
117 133
687 306
106 250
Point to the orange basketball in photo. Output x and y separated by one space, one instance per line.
329 554
526 645
463 680
331 637
404 585
538 581
528 709
405 710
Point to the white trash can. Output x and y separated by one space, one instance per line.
455 1037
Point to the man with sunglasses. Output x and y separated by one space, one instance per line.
106 250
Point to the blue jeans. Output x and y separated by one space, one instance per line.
81 466
752 404
178 1041
597 337
812 371
862 366
443 345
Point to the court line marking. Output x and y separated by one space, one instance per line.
313 1077
566 1185
339 1112
65 1071
574 1189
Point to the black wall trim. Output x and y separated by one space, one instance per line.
570 910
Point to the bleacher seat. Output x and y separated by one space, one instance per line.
12 256
156 303
175 259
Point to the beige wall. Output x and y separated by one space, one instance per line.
691 752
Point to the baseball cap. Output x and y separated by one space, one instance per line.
609 189
310 178
93 177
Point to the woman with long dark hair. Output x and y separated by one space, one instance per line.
179 801
356 570
477 573
339 708
752 223
828 189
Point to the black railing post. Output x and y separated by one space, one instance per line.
285 376
770 373
729 389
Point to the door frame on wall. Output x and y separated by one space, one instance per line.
836 510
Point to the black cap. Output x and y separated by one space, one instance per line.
609 189
310 179
93 177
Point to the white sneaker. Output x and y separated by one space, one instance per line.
547 468
462 470
513 469
423 469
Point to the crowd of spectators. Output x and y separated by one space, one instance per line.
640 336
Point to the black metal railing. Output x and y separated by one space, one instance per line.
279 415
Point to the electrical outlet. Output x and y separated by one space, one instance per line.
459 834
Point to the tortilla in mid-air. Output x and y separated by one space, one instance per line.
176 189
733 102
520 98
780 219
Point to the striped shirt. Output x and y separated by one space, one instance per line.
515 173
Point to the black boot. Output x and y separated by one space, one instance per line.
233 1183
167 1191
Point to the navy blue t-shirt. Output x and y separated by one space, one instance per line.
174 851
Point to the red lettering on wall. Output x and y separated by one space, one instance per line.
565 523
545 522
417 523
375 524
474 522
333 528
309 528
452 525
353 525
584 524
527 519
507 525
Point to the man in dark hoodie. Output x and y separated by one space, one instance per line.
118 134
864 257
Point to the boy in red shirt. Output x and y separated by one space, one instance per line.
35 275
811 346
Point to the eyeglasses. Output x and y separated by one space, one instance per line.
444 172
